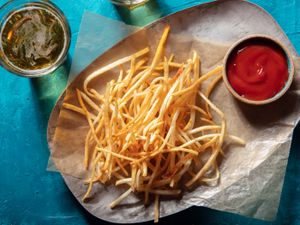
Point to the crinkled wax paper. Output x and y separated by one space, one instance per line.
251 177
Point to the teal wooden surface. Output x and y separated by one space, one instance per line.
30 195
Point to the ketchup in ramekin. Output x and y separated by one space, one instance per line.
257 69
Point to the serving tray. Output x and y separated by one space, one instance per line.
222 22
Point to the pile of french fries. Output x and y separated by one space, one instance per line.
142 129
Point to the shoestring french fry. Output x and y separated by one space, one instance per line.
142 128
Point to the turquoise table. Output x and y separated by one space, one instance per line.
31 195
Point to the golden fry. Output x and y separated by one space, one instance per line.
143 131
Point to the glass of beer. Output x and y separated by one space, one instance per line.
129 3
34 37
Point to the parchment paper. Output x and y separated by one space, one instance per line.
252 177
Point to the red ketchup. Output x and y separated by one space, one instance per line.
257 69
